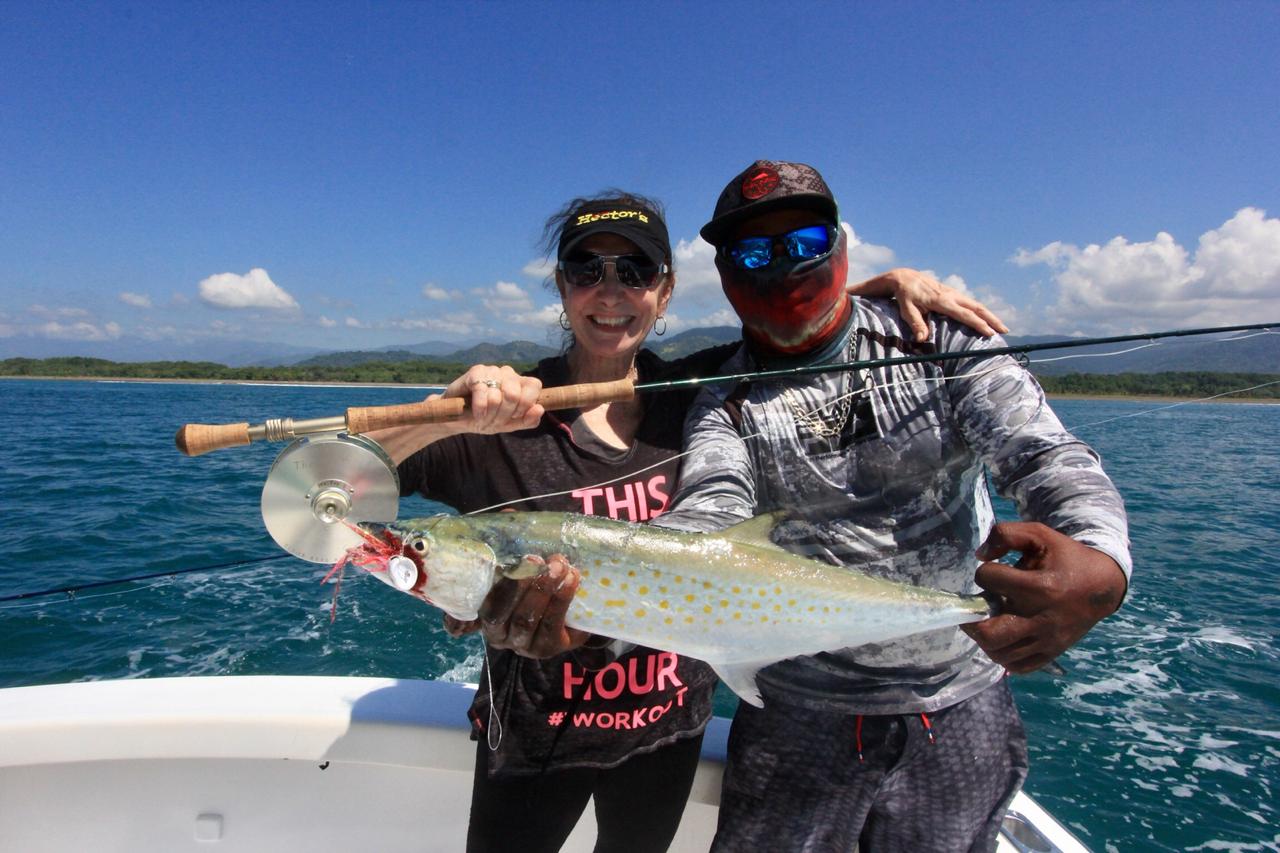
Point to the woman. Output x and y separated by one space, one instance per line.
561 715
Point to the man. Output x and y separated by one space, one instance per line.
913 744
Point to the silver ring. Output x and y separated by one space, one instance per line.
488 383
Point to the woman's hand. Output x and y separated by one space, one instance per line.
501 400
918 294
527 616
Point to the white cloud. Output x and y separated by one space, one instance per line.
504 299
325 322
81 331
353 323
1232 278
45 312
435 292
462 323
137 300
539 268
254 289
546 317
865 259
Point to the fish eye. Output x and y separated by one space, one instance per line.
420 545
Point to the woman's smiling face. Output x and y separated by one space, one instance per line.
610 320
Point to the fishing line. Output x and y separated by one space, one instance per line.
72 589
1091 354
1173 405
73 597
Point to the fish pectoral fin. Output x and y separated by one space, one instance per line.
756 531
530 566
741 679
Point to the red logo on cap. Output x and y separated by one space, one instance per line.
759 183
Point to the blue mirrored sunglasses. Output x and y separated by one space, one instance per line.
802 244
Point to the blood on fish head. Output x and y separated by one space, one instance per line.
429 560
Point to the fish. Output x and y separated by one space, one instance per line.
733 598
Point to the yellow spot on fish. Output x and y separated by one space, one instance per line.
791 602
764 618
643 590
679 579
763 592
706 584
631 573
605 582
755 605
581 593
737 615
624 586
724 602
662 589
599 563
640 613
667 621
737 590
826 609
615 602
777 590
663 604
690 598
777 608
688 620
706 608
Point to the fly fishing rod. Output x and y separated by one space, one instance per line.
197 439
1019 349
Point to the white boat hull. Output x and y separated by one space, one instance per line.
274 763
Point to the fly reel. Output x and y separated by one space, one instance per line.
321 481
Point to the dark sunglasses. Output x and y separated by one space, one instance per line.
587 270
802 244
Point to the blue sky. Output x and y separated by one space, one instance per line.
175 176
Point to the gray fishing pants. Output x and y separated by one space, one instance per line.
795 782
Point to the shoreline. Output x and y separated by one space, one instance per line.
288 383
1143 398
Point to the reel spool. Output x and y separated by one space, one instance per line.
320 481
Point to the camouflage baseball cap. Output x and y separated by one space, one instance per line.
764 186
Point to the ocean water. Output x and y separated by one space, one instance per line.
1164 733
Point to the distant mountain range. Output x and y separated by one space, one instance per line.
1258 354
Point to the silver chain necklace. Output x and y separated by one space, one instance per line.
814 419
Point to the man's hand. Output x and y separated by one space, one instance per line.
527 616
1056 592
918 294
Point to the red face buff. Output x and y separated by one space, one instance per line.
790 307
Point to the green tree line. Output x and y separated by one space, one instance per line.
418 372
429 372
1193 385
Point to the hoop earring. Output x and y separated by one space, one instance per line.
564 322
663 330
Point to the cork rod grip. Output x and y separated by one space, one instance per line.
586 394
195 439
433 411
441 409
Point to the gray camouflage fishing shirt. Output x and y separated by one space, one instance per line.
895 485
